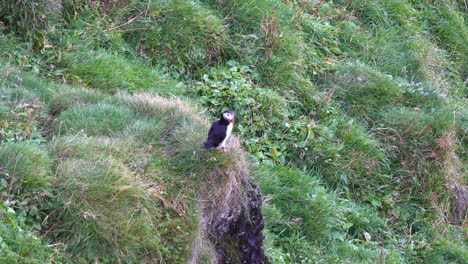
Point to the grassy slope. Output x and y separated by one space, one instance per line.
354 111
115 181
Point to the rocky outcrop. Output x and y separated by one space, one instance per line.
236 233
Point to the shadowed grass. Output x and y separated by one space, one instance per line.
184 36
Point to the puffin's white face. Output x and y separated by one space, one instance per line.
229 116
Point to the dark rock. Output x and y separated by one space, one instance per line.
236 232
460 204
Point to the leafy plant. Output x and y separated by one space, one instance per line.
19 244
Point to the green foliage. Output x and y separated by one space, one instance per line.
234 88
19 124
18 244
30 19
267 34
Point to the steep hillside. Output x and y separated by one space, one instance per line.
116 178
350 127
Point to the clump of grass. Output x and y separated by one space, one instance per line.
25 185
115 217
178 113
446 21
386 13
147 131
220 180
297 195
304 218
416 149
101 118
26 88
447 249
25 168
185 36
364 90
111 73
435 66
391 57
132 205
64 100
104 181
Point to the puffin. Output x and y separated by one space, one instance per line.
220 131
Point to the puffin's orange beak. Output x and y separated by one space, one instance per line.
233 121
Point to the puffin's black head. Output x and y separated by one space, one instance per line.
228 116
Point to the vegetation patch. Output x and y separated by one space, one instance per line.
353 111
111 73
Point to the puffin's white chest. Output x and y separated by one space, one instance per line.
228 133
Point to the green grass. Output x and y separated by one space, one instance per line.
364 90
334 228
105 213
101 118
25 168
111 73
183 36
64 100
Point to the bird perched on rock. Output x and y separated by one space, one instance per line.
220 131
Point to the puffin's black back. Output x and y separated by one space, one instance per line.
217 133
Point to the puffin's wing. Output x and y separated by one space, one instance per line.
216 135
